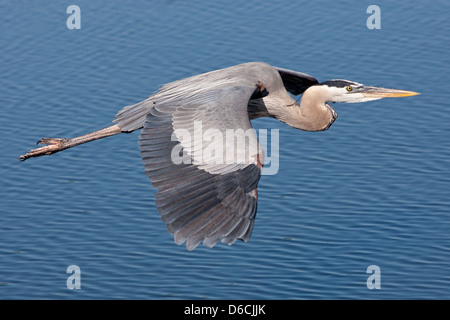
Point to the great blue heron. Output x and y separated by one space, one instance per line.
203 200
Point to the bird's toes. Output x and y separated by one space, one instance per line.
52 141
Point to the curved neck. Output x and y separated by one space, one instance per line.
313 114
317 113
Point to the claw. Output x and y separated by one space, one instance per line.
54 145
51 145
52 141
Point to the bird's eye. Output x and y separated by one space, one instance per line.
349 88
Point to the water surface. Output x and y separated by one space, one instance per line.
372 190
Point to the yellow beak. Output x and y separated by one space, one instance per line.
376 92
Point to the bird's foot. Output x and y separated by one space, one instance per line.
52 141
52 145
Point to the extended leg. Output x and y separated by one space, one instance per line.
54 145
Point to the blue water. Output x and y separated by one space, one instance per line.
372 190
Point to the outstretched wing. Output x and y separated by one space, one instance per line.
296 82
206 181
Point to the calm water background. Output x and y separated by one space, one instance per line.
374 189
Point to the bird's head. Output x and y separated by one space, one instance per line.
353 92
318 115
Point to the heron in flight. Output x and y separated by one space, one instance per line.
204 200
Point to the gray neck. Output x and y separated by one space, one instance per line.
312 115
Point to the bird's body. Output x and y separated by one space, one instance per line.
192 89
207 187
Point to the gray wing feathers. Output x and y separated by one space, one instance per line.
214 129
195 204
201 198
132 117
